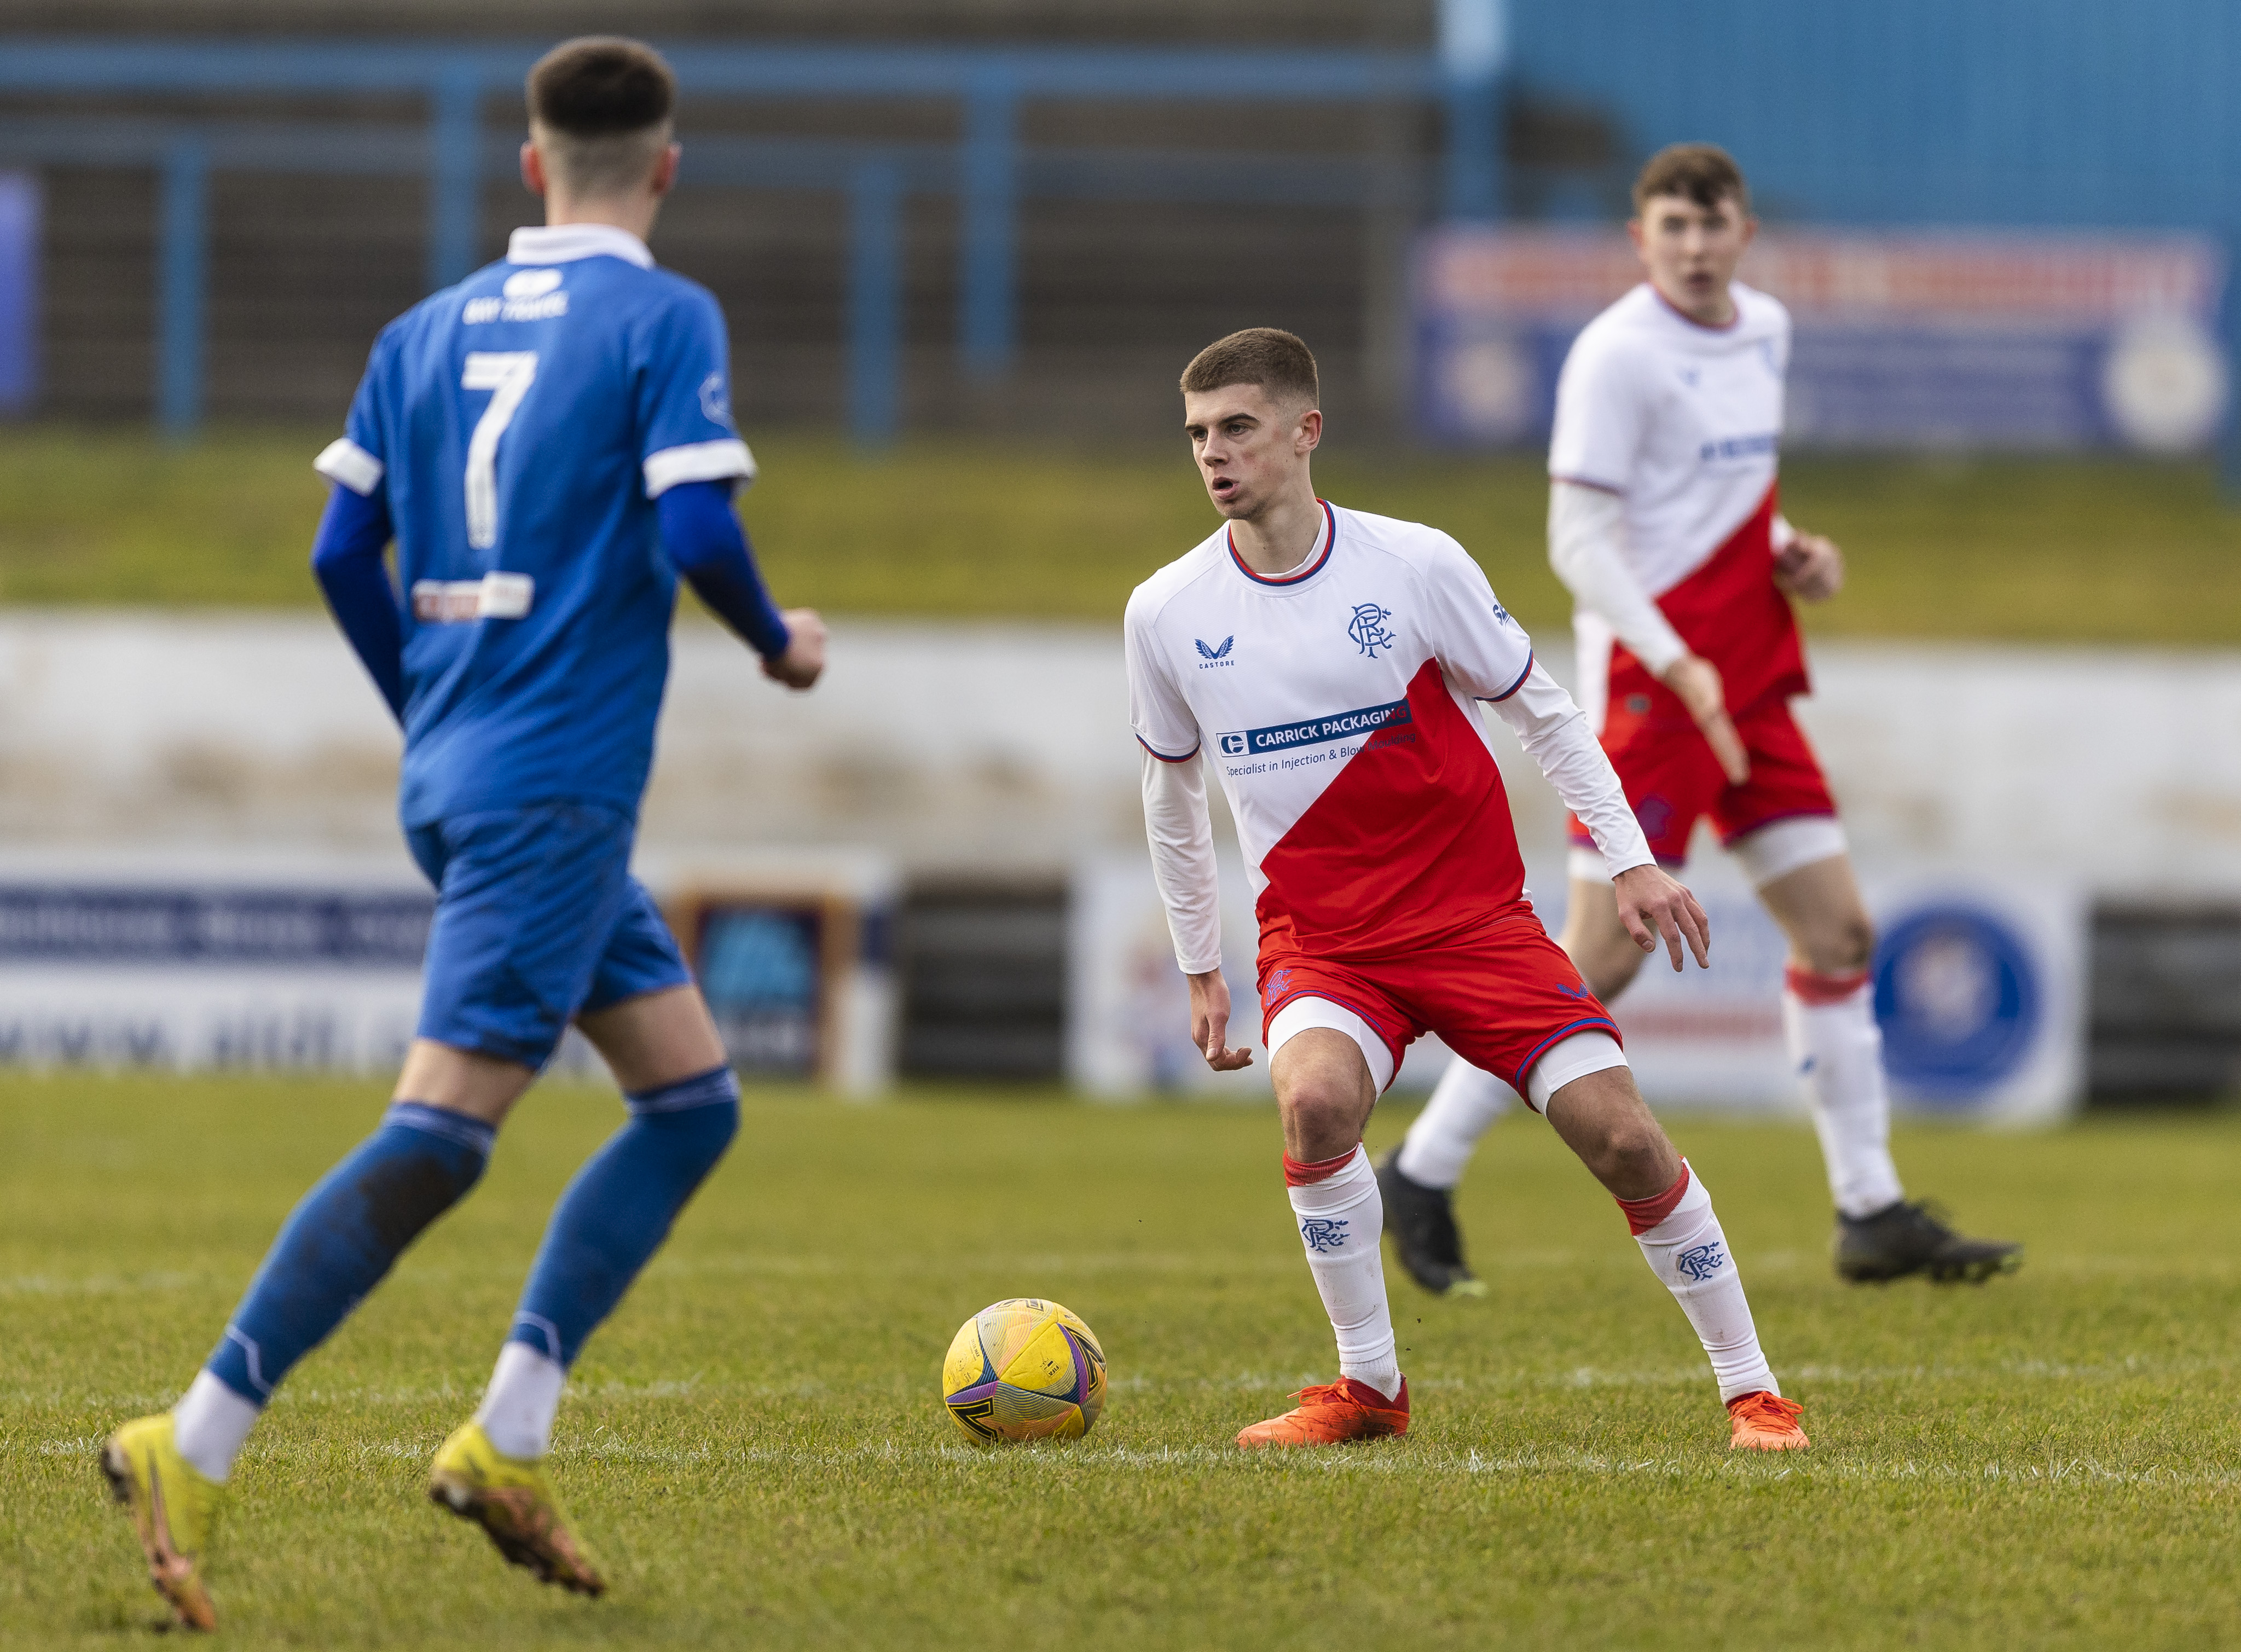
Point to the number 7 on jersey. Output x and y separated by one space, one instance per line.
508 373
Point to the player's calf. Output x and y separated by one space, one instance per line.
1602 1115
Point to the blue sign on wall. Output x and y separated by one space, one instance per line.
19 291
1959 998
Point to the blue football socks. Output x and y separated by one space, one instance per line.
338 1242
619 1208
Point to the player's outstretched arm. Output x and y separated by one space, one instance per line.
1654 906
346 558
1210 999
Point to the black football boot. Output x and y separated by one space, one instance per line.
1421 1223
1905 1238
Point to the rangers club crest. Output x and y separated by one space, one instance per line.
1323 1233
1367 628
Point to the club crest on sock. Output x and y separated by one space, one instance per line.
1701 1262
1323 1233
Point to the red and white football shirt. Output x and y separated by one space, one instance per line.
1337 704
1684 421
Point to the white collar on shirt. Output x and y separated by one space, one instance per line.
565 243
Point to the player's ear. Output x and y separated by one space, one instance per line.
1307 435
665 170
532 169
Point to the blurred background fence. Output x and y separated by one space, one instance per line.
964 248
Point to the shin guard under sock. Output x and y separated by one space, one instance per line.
619 1208
341 1239
1681 1239
1342 1217
1838 1050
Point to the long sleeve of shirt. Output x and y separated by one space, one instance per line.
1587 547
346 558
1182 833
1555 734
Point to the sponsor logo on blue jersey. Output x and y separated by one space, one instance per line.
528 295
1315 731
1366 628
716 400
1323 1233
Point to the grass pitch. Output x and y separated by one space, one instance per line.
754 1443
2049 549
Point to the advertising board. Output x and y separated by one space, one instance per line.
255 960
1903 340
1978 987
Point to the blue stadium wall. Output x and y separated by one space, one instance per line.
2123 113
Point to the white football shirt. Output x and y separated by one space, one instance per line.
1681 419
1338 705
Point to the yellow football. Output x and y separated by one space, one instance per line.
1023 1369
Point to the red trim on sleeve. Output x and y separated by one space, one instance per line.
1642 1215
1588 482
1818 990
1299 1175
1162 756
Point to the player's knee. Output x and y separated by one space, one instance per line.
1845 945
1322 1116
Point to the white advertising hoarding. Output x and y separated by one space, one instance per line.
1978 984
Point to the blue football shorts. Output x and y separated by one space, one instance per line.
538 920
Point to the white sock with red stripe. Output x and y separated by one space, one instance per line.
1838 1050
1440 1144
1681 1239
1341 1221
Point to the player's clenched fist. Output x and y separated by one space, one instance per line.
1810 568
1210 998
1651 905
804 659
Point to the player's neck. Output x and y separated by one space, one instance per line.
1717 311
1283 534
634 216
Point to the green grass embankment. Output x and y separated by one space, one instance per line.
2094 550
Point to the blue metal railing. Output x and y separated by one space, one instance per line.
987 168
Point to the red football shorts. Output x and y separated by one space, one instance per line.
1502 996
1672 778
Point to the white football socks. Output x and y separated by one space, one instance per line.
211 1424
523 1398
1440 1144
1342 1221
1838 1050
1688 1254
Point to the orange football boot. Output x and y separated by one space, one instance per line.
1765 1422
1332 1413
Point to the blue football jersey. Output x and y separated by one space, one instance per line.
521 424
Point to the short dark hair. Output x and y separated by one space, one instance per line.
1274 360
603 103
1703 173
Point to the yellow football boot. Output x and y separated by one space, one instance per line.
510 1499
173 1507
